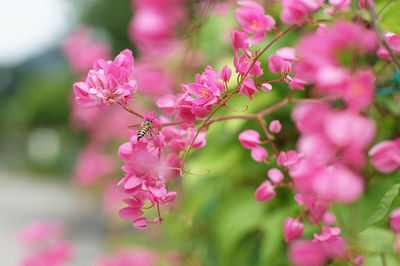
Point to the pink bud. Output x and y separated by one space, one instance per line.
359 260
386 155
292 229
275 126
329 218
395 220
249 139
305 253
140 223
239 40
397 247
259 154
225 74
265 192
266 87
275 175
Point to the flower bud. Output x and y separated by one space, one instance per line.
292 229
275 126
275 175
395 220
225 74
265 192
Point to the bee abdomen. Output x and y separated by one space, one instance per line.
141 132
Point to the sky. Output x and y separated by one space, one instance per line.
28 27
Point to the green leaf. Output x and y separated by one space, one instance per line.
390 19
387 203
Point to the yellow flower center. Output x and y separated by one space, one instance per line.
255 25
204 92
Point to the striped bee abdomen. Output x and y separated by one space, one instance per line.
145 127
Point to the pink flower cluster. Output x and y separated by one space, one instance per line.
324 247
93 164
197 99
149 165
82 49
320 63
45 243
109 83
154 22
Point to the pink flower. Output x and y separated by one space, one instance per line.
395 220
338 183
259 154
295 11
292 229
288 159
108 84
275 175
329 218
333 245
305 253
249 139
92 165
315 206
140 223
265 192
266 87
359 260
287 54
253 20
239 40
393 41
275 126
243 64
248 88
359 92
340 4
386 155
82 49
225 74
276 64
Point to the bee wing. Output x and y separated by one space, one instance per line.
135 127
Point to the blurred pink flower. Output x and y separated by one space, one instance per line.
82 49
386 155
93 164
275 126
259 154
292 229
395 220
275 175
276 64
306 253
333 245
265 192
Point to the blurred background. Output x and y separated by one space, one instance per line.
48 170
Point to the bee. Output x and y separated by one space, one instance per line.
145 127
